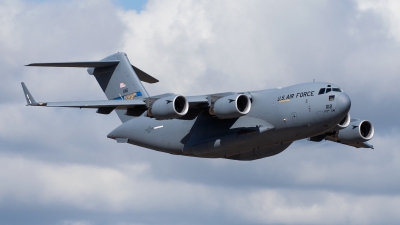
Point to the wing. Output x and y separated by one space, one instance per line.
117 104
203 101
135 107
331 137
103 106
197 101
106 106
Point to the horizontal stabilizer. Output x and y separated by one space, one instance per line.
143 76
87 64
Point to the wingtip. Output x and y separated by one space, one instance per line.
28 96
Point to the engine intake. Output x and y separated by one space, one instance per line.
357 131
170 107
231 106
345 122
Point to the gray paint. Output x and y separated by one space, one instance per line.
277 117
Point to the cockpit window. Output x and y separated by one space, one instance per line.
329 89
337 89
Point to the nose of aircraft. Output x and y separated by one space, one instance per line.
343 102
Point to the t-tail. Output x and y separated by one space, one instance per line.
117 78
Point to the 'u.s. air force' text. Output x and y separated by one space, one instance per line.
298 95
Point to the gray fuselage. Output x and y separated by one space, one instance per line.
287 114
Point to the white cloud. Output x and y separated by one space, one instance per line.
72 222
55 31
317 207
389 11
100 189
61 158
192 47
133 188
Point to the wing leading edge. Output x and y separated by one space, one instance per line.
114 104
117 104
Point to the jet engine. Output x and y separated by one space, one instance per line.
231 106
358 131
170 107
345 122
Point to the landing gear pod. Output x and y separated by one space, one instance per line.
232 106
170 107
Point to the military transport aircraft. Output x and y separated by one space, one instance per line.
233 125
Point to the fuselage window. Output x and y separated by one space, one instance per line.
336 89
331 98
321 91
328 90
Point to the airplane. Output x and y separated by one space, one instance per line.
233 125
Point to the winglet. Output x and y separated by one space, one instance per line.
29 99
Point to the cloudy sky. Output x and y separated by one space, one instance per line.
58 167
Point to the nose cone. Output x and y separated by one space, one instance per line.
343 102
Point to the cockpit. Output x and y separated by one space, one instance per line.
329 89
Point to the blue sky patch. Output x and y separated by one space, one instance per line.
137 5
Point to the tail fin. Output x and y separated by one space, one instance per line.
116 76
121 81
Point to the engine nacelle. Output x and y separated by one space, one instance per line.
345 122
170 107
357 131
232 106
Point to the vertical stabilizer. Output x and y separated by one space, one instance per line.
120 81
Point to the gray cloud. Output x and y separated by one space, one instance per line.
58 167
